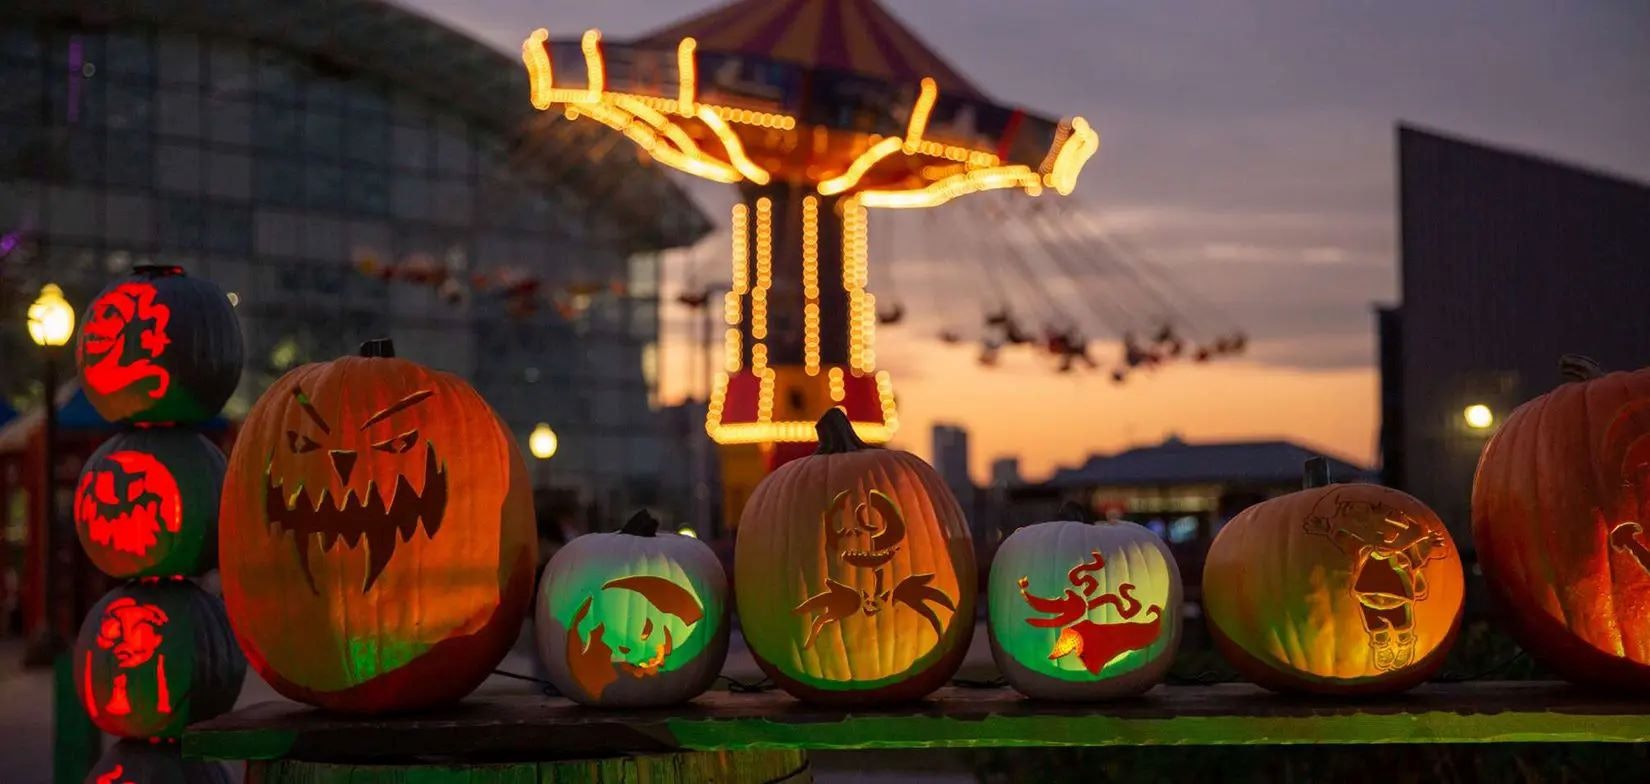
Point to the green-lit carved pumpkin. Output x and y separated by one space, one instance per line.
634 618
377 544
146 504
1084 610
154 656
160 347
854 573
142 762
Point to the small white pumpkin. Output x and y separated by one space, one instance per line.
1084 611
634 618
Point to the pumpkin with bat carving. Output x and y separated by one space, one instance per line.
146 504
854 573
634 618
154 656
377 537
159 347
142 762
1082 610
1339 589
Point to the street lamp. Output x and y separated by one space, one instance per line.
543 441
51 324
1478 416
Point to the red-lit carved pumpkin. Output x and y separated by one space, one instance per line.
154 656
146 504
377 535
854 574
142 762
634 618
1083 610
159 346
1561 517
1337 589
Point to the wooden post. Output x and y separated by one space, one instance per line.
724 767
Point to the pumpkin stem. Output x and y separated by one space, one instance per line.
836 434
378 347
157 270
1316 473
1575 367
641 524
1071 510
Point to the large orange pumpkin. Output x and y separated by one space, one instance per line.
377 540
1560 512
1337 589
854 573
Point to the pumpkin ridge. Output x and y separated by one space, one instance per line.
1600 482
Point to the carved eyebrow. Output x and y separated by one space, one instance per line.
400 405
309 408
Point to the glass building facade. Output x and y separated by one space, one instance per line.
294 159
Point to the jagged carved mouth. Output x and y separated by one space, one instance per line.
359 517
869 558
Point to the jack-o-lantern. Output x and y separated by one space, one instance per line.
1561 517
159 347
146 504
634 618
1339 589
377 535
142 762
155 655
1083 610
854 574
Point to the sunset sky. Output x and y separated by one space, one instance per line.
1247 147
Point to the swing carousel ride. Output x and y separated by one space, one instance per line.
820 111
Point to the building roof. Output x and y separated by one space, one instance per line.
1177 462
855 36
638 203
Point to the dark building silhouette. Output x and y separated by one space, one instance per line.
1507 262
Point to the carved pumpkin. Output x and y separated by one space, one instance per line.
160 347
1561 517
854 574
634 618
377 535
146 504
142 762
1336 589
1083 610
154 656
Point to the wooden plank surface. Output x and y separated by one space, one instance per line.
530 727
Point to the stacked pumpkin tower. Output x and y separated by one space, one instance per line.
160 353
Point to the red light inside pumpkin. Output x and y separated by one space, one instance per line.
124 336
116 775
126 500
1095 644
132 632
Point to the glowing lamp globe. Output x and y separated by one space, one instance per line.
1339 589
146 504
152 657
159 347
854 573
542 442
635 618
51 319
1560 508
377 538
1082 610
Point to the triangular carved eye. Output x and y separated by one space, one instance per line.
300 443
398 444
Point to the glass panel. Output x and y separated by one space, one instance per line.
229 120
323 134
324 186
277 233
453 151
128 55
323 238
73 212
229 175
180 58
126 218
410 198
231 68
367 191
278 180
130 107
412 148
178 167
180 224
179 113
277 127
228 227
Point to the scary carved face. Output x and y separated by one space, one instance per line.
1388 550
317 493
131 631
866 534
123 338
126 500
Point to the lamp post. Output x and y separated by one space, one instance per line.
75 740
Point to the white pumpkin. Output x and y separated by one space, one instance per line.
1084 611
633 619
